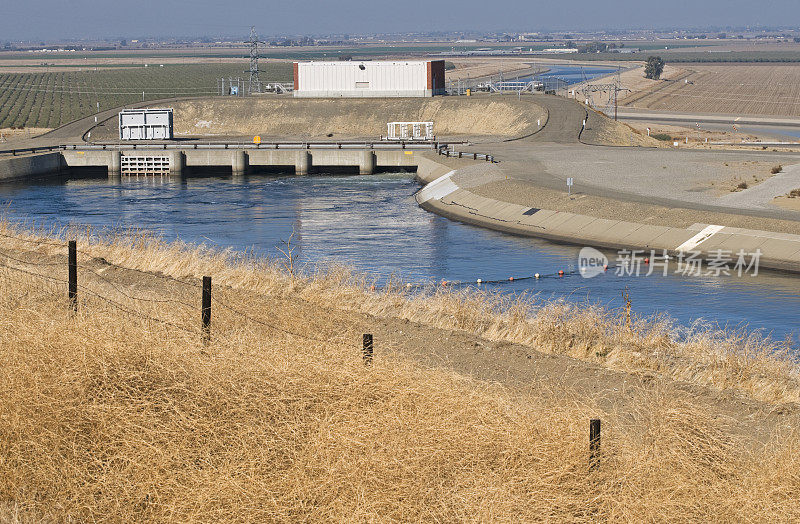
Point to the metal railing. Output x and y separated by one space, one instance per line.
462 154
416 144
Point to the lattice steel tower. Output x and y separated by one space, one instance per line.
254 86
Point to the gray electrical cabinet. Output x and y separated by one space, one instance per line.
145 124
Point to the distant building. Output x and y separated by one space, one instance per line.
369 79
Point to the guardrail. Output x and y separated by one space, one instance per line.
22 150
462 154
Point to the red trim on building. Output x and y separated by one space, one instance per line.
429 68
436 76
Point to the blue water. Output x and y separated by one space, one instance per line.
373 224
566 74
574 74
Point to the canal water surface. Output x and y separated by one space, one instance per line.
373 224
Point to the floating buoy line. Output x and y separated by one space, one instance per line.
560 274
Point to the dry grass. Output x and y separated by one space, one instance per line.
278 116
109 416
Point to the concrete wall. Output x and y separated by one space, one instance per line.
32 165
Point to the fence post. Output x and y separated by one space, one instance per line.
368 347
72 293
594 443
206 308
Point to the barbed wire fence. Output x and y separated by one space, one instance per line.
81 294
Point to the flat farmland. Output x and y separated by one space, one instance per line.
50 99
752 89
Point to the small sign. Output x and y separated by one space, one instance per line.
569 186
570 181
256 139
234 90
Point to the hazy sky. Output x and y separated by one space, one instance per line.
42 19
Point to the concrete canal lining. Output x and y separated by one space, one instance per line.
447 193
31 165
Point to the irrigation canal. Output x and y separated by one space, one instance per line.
373 224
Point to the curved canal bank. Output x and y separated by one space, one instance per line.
447 192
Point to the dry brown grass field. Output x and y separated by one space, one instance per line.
121 411
768 89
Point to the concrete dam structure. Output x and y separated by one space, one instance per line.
173 159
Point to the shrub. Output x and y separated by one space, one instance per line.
794 193
742 185
776 169
662 136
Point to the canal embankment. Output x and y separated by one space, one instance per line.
276 386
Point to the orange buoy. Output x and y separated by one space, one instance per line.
647 260
372 288
511 278
561 272
605 267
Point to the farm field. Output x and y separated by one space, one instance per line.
772 90
51 99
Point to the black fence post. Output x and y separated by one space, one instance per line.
73 275
594 443
206 308
368 348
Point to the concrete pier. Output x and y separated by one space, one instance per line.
302 163
367 164
240 162
177 161
115 164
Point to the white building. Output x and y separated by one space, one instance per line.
145 124
369 79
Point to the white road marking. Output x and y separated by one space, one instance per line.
699 238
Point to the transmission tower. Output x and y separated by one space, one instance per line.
254 86
613 91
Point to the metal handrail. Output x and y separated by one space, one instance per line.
233 145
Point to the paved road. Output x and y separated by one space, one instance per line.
708 118
660 177
758 197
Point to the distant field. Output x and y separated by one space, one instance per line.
51 99
789 56
735 89
372 50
